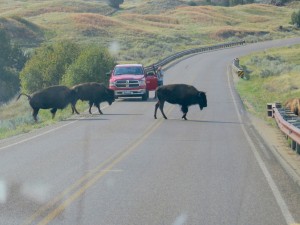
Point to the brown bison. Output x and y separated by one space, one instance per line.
54 97
294 105
95 93
181 94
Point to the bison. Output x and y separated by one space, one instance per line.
95 93
181 94
54 97
294 105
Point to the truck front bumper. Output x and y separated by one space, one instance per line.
130 93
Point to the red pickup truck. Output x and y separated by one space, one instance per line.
131 80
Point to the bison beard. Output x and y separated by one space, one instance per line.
181 94
54 97
95 93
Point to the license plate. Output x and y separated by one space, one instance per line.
127 92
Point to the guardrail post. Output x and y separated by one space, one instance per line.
270 110
293 144
298 148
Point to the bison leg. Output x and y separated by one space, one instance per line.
98 107
53 111
160 104
155 110
91 104
74 109
34 114
73 106
184 109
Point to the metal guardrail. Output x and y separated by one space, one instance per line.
178 55
288 122
237 69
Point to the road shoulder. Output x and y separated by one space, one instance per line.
278 144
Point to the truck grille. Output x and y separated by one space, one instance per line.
127 83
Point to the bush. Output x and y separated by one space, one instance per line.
12 60
116 3
192 3
296 18
91 66
47 66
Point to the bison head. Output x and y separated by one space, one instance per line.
202 100
110 96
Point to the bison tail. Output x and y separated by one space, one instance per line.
28 96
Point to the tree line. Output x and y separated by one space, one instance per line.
62 63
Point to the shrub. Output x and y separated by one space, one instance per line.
192 3
12 60
296 18
116 3
91 66
47 66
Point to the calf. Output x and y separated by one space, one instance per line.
54 97
181 94
95 93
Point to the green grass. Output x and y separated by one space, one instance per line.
16 117
273 77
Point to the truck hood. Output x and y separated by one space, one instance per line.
127 77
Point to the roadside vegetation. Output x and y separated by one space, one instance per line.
273 77
73 41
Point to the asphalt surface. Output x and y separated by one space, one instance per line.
126 168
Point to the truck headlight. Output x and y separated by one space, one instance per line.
142 82
112 83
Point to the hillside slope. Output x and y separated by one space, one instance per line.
143 29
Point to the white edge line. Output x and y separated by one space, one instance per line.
279 199
47 132
33 137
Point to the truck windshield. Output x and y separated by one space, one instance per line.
134 70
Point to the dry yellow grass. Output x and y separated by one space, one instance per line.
95 20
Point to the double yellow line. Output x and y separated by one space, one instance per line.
55 207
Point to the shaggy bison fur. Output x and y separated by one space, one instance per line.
95 93
181 94
294 105
54 97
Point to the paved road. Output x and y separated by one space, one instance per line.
125 168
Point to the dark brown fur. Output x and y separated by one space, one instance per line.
95 93
54 97
181 94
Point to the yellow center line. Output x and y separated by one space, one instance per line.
68 190
93 175
57 211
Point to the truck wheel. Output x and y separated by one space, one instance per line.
145 96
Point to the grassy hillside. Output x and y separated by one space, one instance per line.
144 29
274 77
